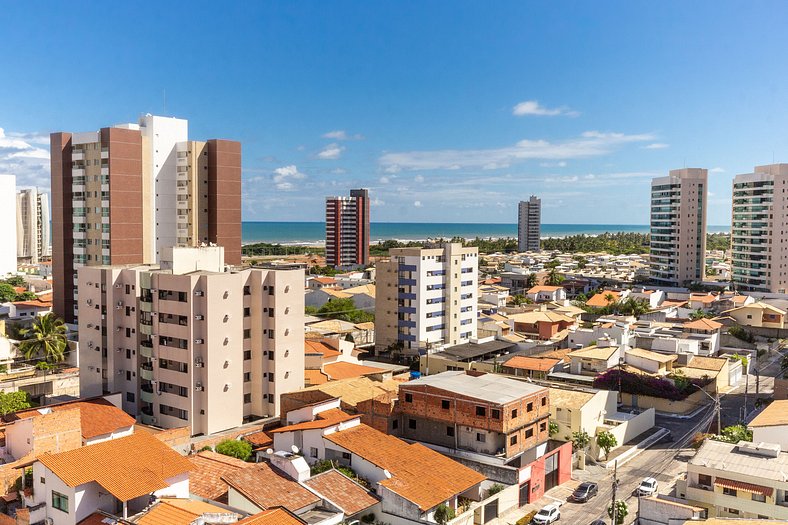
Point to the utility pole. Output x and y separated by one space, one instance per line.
614 514
717 406
746 389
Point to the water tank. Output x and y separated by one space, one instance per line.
414 374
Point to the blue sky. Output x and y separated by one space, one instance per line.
447 111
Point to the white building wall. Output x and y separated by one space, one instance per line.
8 220
775 434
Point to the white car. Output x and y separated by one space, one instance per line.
648 487
548 514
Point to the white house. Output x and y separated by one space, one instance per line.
546 294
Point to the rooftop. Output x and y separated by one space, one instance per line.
205 477
729 458
564 398
595 352
351 391
703 324
487 387
97 416
531 363
776 414
707 363
325 419
338 488
537 289
652 356
267 486
170 511
320 347
272 517
474 350
344 370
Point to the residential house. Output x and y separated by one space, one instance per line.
546 294
717 369
174 511
531 367
481 354
665 510
541 324
606 298
704 302
758 315
771 425
593 360
654 298
653 363
321 283
492 295
208 469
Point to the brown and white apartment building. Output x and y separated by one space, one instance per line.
123 194
347 229
187 342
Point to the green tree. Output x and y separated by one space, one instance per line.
345 310
554 278
552 428
235 449
443 514
621 511
580 440
14 401
734 434
700 314
7 293
46 338
15 280
606 441
531 280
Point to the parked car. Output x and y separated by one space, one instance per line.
648 487
549 514
598 522
584 492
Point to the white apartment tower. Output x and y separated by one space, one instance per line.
32 225
426 298
8 219
188 343
678 227
529 224
759 237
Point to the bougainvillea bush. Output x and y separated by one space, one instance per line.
644 385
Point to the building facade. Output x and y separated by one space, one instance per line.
529 224
425 298
347 229
188 343
678 227
8 218
124 194
32 226
759 246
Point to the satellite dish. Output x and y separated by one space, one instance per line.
294 449
269 451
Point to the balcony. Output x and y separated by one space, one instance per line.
407 282
77 155
104 153
146 373
147 397
411 296
146 351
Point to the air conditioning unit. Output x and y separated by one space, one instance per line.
198 387
119 372
118 328
90 344
90 325
90 301
118 285
198 341
154 382
199 317
153 420
199 293
118 308
120 303
198 362
119 349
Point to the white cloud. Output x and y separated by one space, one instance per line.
532 107
376 202
657 145
284 176
561 164
385 180
417 204
418 178
341 134
331 152
20 157
717 170
589 144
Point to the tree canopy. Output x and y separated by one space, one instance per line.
45 338
235 448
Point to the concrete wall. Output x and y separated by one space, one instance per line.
692 402
775 434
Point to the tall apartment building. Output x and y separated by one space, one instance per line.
347 229
759 237
678 227
123 194
188 343
32 225
426 298
7 218
529 224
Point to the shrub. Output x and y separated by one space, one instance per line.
740 333
14 401
621 511
235 449
443 514
644 385
321 465
606 441
494 489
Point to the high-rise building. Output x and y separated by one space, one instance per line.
678 227
347 229
123 194
759 237
188 343
529 224
8 218
426 298
32 225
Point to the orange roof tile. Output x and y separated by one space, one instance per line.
314 377
324 420
205 477
325 280
707 363
98 416
599 300
703 324
97 518
531 363
258 439
776 414
338 488
418 474
273 517
537 289
171 511
744 486
703 298
126 467
266 486
342 370
5 519
319 347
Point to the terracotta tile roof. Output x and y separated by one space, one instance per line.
531 363
746 487
537 289
703 298
342 370
776 414
418 473
703 324
259 439
126 467
266 486
205 477
97 518
324 280
324 420
314 377
350 391
5 519
319 347
598 300
560 353
537 316
170 511
707 363
671 302
338 488
273 517
98 416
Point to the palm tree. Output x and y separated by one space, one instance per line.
47 338
554 278
530 281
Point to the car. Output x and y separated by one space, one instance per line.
584 492
598 522
648 487
549 514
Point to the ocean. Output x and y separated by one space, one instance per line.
315 233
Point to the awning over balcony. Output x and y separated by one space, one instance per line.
746 487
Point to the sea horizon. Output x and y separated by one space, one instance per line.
309 233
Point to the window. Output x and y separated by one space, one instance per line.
529 407
247 355
247 399
312 452
247 290
130 397
481 438
514 413
759 497
247 311
445 404
412 424
481 411
128 375
544 401
409 398
495 413
394 425
270 398
513 440
542 426
529 433
704 479
59 501
450 431
247 333
247 377
346 455
728 492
